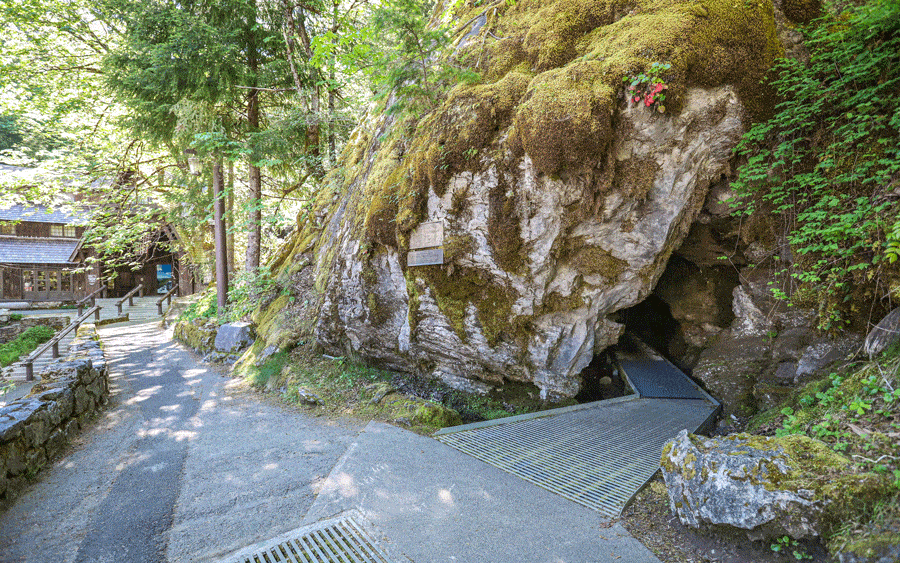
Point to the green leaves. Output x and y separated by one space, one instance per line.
826 158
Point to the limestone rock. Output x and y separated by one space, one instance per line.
885 334
825 352
729 370
561 199
769 487
232 337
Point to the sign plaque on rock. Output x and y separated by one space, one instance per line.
426 236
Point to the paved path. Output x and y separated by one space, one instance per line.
144 310
178 469
186 467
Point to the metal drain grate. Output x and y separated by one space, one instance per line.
599 457
339 540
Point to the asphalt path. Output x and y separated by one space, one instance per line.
184 465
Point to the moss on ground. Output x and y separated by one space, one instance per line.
348 388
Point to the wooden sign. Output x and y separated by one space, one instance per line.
427 235
425 257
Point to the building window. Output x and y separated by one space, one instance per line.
7 228
69 231
56 230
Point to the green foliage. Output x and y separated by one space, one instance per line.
787 544
408 67
24 344
247 290
648 87
827 158
203 308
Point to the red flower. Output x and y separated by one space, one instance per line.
659 88
648 101
636 99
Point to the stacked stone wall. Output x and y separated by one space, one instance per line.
36 428
14 329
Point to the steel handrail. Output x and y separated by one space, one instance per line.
164 297
54 342
130 297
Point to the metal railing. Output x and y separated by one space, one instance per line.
92 298
167 296
54 342
130 297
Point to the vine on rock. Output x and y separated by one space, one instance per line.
648 87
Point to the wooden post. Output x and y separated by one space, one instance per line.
97 314
56 349
29 371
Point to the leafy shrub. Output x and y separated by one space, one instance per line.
24 344
829 158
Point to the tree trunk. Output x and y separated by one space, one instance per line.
254 180
219 226
229 220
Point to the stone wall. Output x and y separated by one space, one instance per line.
36 428
12 330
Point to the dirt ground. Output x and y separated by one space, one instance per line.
649 520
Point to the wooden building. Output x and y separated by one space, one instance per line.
43 257
37 254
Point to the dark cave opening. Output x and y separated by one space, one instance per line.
651 320
600 380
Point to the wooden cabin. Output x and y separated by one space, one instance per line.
37 254
43 258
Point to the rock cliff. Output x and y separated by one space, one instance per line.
561 198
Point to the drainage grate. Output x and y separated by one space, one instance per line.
339 540
599 457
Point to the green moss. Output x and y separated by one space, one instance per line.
554 302
454 294
456 247
566 118
504 232
801 11
593 260
874 547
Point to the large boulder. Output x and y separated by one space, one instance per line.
885 334
561 199
770 487
233 337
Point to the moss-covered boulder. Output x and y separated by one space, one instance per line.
560 197
770 487
198 334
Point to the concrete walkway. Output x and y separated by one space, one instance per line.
186 467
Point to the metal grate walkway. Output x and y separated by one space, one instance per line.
338 540
599 457
600 454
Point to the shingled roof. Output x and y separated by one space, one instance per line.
36 250
38 214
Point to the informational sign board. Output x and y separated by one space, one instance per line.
425 257
427 235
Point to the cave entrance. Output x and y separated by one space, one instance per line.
650 320
600 380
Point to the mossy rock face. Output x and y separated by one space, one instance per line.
561 200
198 334
770 487
801 11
